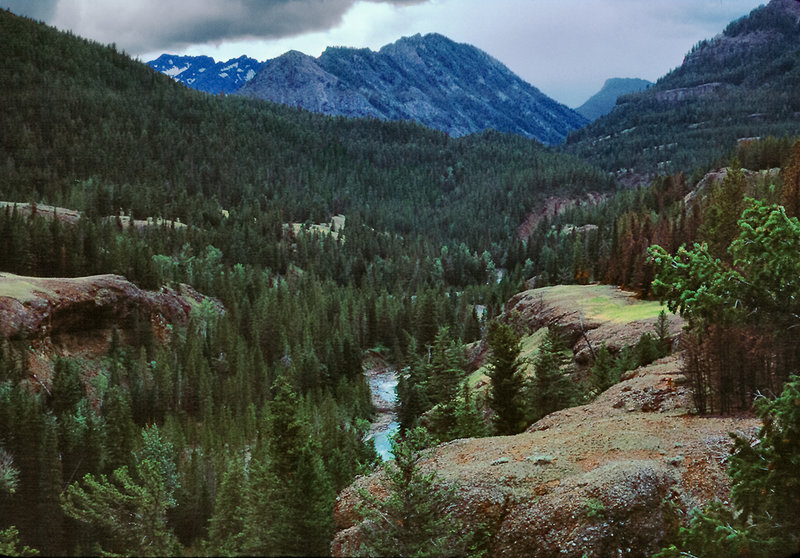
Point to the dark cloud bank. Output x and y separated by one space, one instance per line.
140 26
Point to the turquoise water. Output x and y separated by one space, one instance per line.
381 439
383 387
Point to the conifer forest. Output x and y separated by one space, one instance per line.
310 244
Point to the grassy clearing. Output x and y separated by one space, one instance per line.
18 288
601 302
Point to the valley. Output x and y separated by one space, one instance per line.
409 316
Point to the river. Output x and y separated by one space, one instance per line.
383 387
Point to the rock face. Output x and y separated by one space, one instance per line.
741 38
296 79
604 100
592 480
77 316
686 93
429 79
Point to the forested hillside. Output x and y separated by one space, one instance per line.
252 415
231 431
740 84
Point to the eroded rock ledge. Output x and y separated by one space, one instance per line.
595 480
77 316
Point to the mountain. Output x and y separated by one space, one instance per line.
740 84
429 79
604 100
170 150
203 73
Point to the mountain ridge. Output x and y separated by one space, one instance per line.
605 99
738 84
448 86
206 74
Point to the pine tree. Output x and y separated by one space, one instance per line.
790 173
11 546
550 389
765 492
130 514
120 431
227 525
663 337
290 490
505 394
469 421
602 374
416 517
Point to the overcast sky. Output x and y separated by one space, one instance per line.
565 48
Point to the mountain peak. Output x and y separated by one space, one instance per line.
428 78
205 74
604 100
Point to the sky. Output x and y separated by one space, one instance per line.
566 48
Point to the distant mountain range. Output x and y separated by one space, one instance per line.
741 84
203 73
604 100
430 79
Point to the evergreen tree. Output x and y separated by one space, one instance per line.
444 372
227 525
505 394
120 431
790 173
722 213
763 521
10 544
128 516
603 374
469 421
416 518
646 350
290 490
663 337
550 389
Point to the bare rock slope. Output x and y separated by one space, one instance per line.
596 480
428 79
51 317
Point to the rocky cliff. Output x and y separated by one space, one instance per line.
609 478
77 317
429 79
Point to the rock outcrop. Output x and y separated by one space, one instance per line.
595 480
78 316
609 478
592 314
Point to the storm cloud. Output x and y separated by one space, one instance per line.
566 49
140 26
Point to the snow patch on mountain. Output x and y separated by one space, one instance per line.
175 71
205 74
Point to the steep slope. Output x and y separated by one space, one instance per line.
429 79
297 80
604 100
740 84
203 73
